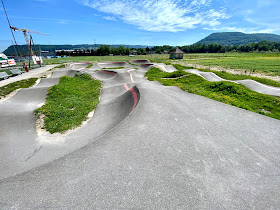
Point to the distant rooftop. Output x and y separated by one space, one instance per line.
178 51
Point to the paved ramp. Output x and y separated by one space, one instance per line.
19 138
210 76
251 84
32 73
78 66
175 151
259 87
144 61
166 68
113 64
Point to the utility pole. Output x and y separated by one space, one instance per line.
40 55
15 49
30 51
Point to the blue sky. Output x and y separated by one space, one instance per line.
145 22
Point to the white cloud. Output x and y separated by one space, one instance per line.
244 30
161 15
110 18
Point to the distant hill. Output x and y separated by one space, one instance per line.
24 50
237 38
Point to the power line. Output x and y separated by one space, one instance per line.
15 49
11 28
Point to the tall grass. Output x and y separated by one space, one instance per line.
69 102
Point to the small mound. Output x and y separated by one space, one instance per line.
112 64
105 74
144 61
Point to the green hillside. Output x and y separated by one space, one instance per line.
237 38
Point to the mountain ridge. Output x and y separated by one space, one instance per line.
237 38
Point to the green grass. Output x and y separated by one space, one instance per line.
69 102
7 89
60 66
157 73
158 58
180 67
226 92
89 66
228 76
268 63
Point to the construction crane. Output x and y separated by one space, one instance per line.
25 31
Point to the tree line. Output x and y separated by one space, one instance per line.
102 50
263 46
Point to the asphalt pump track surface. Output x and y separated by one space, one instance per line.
147 146
248 83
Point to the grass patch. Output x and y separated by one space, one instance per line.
69 102
89 66
228 76
60 66
7 89
180 67
157 58
155 73
268 63
226 92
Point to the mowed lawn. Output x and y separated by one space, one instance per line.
268 63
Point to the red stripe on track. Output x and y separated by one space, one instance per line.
108 72
126 87
134 97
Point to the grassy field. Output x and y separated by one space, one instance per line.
226 92
69 102
155 73
153 58
268 63
5 90
228 76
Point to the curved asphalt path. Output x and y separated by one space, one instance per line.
251 84
175 150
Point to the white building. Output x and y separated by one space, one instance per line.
3 56
5 62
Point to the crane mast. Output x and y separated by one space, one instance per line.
28 43
25 31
